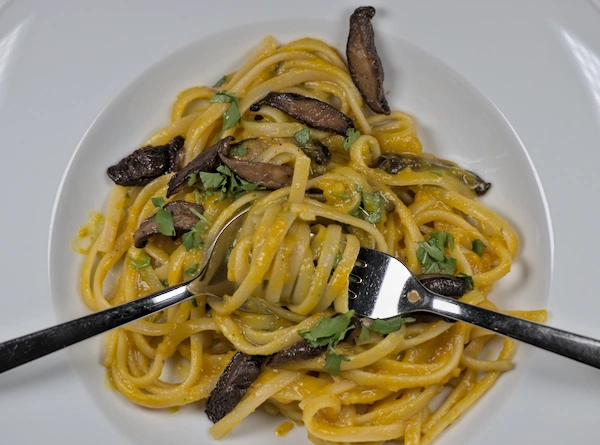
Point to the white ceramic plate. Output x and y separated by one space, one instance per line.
508 90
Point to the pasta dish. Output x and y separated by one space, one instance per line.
305 140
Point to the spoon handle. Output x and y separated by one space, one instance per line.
24 349
577 347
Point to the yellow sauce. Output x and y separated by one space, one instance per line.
284 428
87 233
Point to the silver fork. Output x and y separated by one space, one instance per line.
382 287
29 347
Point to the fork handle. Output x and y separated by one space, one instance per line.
29 347
577 347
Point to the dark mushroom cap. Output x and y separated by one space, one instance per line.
206 161
364 62
241 371
301 350
308 111
270 176
318 153
445 284
183 221
393 163
146 164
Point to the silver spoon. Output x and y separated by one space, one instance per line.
29 347
382 287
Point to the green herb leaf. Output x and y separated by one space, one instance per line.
442 239
226 183
165 283
191 271
436 172
478 246
197 214
158 202
469 278
212 180
240 151
141 261
365 333
328 331
223 97
193 302
302 137
201 217
164 219
384 327
192 179
188 240
433 251
220 82
197 196
231 117
351 136
432 256
127 195
193 238
333 360
373 204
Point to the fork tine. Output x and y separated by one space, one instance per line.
376 283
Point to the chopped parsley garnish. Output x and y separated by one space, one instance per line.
387 326
158 202
193 238
240 151
193 302
333 360
365 333
351 136
478 246
127 195
223 97
372 204
436 172
163 217
220 82
226 183
212 180
165 283
197 196
141 260
231 117
432 254
192 179
201 217
329 332
302 137
191 271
